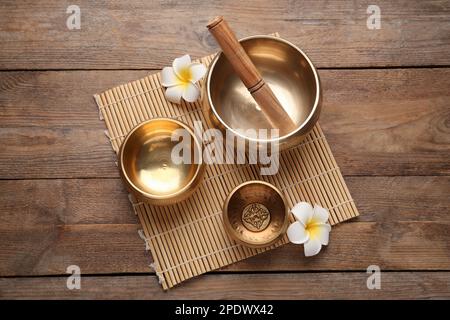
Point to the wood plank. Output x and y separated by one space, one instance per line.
378 122
52 152
149 34
100 249
53 202
385 199
57 99
381 122
394 285
47 225
104 201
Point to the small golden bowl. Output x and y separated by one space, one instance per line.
290 74
255 214
146 165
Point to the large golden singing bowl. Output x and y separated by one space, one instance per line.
255 214
146 164
287 70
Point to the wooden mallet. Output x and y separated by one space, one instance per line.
250 76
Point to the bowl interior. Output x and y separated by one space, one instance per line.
147 161
282 66
256 214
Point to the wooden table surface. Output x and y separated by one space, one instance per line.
386 116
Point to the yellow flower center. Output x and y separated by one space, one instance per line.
312 230
185 75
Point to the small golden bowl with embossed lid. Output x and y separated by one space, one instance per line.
255 214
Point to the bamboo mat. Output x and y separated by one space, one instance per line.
188 239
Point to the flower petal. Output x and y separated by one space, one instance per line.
297 233
198 70
312 247
168 77
173 94
320 215
303 212
191 92
320 232
180 64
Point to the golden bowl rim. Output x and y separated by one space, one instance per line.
145 194
227 223
300 127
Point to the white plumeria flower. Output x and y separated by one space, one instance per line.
180 79
311 227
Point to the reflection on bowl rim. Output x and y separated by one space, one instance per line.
230 229
305 122
150 195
